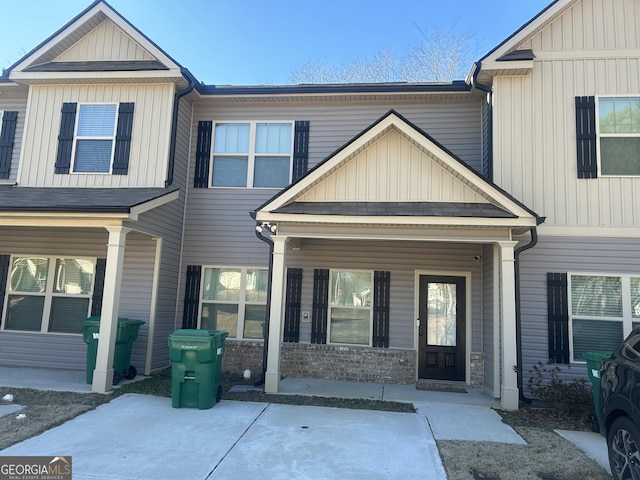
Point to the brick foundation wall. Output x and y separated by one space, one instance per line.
240 356
359 364
477 370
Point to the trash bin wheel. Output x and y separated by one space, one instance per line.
219 393
116 378
131 373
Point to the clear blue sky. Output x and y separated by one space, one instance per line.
257 41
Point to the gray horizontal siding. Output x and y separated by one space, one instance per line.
402 259
561 255
14 105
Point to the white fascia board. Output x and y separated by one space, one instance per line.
39 219
39 77
528 30
155 203
507 65
294 218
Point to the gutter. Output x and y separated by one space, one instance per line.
516 267
265 348
174 124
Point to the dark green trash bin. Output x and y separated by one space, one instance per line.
196 362
125 336
594 360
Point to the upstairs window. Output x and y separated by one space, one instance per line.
95 136
252 154
619 135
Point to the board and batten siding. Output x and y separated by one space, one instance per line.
149 138
560 255
402 260
14 104
591 49
69 351
106 42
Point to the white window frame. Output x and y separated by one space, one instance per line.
611 135
77 137
48 294
252 152
626 319
242 302
370 307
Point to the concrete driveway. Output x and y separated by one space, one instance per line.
143 437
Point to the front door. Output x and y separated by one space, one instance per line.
441 328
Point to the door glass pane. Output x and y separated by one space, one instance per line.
217 316
221 284
595 336
24 312
441 314
596 296
350 325
635 297
254 316
29 274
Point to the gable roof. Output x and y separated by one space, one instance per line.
52 57
467 195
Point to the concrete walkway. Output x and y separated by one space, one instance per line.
125 438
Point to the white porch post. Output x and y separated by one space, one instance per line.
509 387
103 373
272 375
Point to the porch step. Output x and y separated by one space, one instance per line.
441 386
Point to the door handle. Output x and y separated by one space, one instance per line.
419 324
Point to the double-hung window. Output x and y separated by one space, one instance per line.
95 138
350 312
235 300
618 129
48 294
603 309
252 154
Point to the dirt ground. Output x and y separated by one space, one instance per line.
547 456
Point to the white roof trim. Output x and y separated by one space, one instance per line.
115 18
392 120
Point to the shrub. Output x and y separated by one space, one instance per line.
574 396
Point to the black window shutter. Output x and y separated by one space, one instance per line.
7 134
300 149
586 137
381 284
123 139
203 154
292 305
191 297
4 274
558 316
98 287
65 138
320 305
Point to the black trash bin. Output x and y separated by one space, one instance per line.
125 336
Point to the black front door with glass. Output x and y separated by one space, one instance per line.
441 328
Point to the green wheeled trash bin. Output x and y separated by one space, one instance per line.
196 362
127 332
594 360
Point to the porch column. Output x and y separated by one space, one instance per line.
509 397
272 375
103 373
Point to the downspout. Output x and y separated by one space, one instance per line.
174 125
265 348
516 267
483 88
